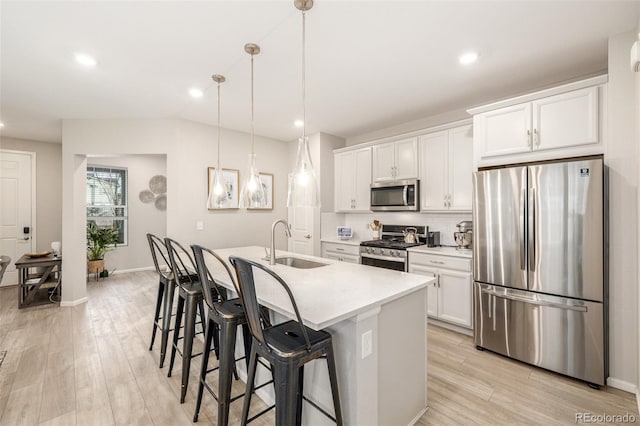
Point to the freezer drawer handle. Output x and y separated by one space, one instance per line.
437 262
536 302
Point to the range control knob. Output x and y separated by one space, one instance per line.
368 249
394 253
381 251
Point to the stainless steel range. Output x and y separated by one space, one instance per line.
390 251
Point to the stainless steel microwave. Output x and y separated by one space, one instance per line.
397 195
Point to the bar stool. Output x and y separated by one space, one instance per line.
287 346
189 302
166 291
225 315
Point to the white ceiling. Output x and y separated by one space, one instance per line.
370 64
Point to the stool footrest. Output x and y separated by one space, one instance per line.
261 413
317 407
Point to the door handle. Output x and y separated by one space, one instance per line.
536 302
532 229
308 236
523 219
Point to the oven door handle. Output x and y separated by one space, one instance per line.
375 256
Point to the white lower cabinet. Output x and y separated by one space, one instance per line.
449 296
342 252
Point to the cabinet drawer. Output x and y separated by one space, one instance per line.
436 261
342 248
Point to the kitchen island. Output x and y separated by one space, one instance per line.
378 321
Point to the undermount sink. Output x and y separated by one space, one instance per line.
296 262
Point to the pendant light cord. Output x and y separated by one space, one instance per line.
218 127
304 72
252 133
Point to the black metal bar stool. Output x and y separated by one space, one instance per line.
227 315
287 346
166 291
189 302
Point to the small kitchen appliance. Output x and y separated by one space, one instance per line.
396 196
464 236
345 232
390 251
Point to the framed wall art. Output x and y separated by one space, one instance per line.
267 186
231 179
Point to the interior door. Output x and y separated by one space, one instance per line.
301 220
15 209
499 234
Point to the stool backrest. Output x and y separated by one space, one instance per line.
4 264
244 269
181 263
158 248
206 277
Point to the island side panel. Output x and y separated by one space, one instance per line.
402 359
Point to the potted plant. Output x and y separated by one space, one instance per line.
99 242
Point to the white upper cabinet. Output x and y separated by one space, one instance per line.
395 160
566 120
353 180
446 165
561 125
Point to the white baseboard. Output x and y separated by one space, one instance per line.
622 385
124 271
66 304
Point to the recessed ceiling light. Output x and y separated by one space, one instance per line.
86 60
195 92
1 125
468 58
298 123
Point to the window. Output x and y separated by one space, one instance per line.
107 198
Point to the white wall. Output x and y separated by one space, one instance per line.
48 226
189 149
622 159
424 123
637 115
142 218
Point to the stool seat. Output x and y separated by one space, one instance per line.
230 309
287 338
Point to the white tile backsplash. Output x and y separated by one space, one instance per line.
445 223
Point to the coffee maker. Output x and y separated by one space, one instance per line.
464 236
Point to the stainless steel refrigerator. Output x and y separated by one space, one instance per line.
539 265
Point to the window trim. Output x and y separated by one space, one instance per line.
125 207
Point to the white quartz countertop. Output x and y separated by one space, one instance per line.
328 294
351 241
444 251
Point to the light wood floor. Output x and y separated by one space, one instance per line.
90 365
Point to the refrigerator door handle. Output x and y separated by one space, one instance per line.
535 302
523 202
531 237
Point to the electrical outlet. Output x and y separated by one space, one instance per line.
367 343
199 225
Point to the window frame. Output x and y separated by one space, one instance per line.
124 173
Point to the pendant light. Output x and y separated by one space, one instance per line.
252 194
303 185
218 194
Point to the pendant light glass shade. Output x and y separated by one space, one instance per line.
303 185
218 194
252 193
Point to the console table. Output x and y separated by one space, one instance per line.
39 279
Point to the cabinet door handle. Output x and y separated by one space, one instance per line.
339 249
437 262
529 138
308 236
536 137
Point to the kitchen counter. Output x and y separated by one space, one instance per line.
444 251
351 241
377 318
